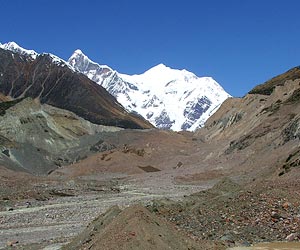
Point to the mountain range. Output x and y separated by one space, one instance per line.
53 81
167 98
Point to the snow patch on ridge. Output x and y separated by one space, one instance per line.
14 47
58 61
33 55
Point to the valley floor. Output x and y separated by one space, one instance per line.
48 213
51 214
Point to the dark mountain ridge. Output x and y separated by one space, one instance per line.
51 81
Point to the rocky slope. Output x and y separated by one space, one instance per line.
262 129
38 138
51 80
168 98
238 215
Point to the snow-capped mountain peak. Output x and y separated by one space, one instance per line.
78 51
162 74
158 68
168 98
12 46
96 72
81 61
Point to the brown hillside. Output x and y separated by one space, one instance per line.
268 87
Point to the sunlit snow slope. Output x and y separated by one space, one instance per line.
168 98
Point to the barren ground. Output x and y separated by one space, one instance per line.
49 212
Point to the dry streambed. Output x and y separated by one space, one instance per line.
48 223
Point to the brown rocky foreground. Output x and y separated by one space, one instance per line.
53 213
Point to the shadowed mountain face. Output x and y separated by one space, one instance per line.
52 81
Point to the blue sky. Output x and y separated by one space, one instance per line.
239 43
